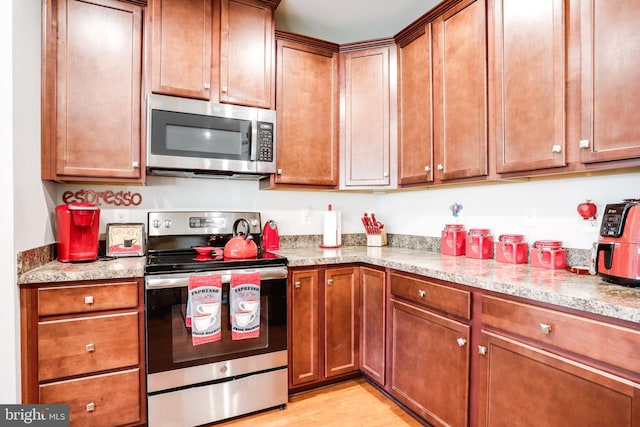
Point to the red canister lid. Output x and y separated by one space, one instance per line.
549 244
454 227
511 238
479 231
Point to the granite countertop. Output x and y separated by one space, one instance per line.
558 287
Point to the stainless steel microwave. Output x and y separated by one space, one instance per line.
193 138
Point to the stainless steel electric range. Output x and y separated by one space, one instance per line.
190 385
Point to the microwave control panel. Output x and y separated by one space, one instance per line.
265 142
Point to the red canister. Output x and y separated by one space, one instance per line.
512 249
479 243
453 240
548 254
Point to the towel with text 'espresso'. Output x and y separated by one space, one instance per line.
244 300
203 308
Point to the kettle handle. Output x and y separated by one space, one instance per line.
246 234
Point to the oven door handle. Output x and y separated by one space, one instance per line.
177 280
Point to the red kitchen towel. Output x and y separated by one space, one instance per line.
203 308
244 304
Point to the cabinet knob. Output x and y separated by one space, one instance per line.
224 89
427 168
440 167
90 347
330 282
556 148
461 342
296 284
584 143
482 350
421 293
88 299
135 164
279 171
386 174
207 86
545 328
90 407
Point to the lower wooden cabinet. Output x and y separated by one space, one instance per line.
324 324
373 323
83 345
522 385
429 364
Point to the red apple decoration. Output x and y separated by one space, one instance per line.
587 210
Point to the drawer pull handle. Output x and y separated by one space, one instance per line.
461 342
90 347
482 350
421 293
545 328
297 284
88 299
90 407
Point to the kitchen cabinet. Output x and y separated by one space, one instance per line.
324 331
429 350
83 344
415 118
527 58
181 47
460 92
557 368
91 91
308 112
373 320
610 80
218 50
368 148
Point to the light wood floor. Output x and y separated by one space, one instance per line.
348 404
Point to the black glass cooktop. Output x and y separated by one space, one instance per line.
191 261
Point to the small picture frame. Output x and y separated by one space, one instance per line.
125 239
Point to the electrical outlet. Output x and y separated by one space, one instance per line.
530 217
121 215
305 216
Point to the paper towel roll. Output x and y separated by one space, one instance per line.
332 235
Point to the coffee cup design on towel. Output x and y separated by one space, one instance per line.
244 318
129 242
209 307
249 305
203 321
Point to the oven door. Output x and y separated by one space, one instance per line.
169 341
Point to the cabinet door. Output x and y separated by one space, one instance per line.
246 53
415 130
308 114
528 67
519 383
373 321
181 47
304 363
459 90
430 364
95 124
366 121
341 321
610 80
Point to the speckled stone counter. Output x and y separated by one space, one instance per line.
558 287
56 271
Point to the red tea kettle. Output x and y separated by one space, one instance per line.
241 245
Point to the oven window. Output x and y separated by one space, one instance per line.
169 343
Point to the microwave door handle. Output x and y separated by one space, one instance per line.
253 132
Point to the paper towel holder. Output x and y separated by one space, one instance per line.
337 229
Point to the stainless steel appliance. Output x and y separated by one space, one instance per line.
194 138
189 385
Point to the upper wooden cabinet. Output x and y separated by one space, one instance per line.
610 52
218 50
182 35
415 101
527 62
368 154
308 113
91 91
460 92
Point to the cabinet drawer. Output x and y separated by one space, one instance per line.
88 344
83 299
612 344
442 298
101 400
